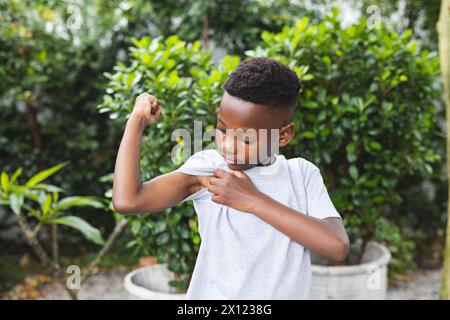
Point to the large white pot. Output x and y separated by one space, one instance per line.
366 281
152 283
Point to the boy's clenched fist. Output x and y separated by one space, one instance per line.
146 109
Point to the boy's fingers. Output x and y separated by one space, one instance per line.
220 173
217 199
139 97
149 100
213 189
214 181
142 95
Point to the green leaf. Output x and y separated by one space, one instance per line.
5 182
351 147
48 187
351 154
78 201
353 172
91 233
160 226
16 175
196 239
34 180
16 202
135 226
185 247
162 239
46 204
33 195
375 146
309 134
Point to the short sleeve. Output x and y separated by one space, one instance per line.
319 204
199 164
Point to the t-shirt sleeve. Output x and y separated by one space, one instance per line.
319 204
199 164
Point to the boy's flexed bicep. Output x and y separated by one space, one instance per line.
164 191
130 195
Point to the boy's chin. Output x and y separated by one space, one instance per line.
240 167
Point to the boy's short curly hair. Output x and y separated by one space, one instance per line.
264 81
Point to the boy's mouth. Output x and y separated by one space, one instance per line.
230 160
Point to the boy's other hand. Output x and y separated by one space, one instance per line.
233 189
146 109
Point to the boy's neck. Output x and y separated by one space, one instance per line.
269 161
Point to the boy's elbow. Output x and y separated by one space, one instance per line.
130 206
342 250
123 207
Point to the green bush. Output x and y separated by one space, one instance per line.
188 85
367 116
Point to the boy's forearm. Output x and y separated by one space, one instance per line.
312 233
127 180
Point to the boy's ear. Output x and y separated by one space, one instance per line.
286 134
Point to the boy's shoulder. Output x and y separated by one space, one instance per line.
304 167
303 163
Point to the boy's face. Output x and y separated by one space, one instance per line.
248 134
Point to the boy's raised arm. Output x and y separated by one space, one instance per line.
130 195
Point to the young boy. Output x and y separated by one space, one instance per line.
261 214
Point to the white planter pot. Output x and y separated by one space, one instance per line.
366 281
152 283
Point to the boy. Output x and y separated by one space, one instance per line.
260 214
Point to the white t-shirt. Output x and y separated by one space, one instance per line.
243 257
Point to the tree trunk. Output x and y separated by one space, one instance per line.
36 132
443 27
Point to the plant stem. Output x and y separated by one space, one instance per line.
55 248
364 243
36 229
34 243
120 224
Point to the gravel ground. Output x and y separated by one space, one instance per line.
420 285
101 286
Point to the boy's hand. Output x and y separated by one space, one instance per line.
146 109
233 189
